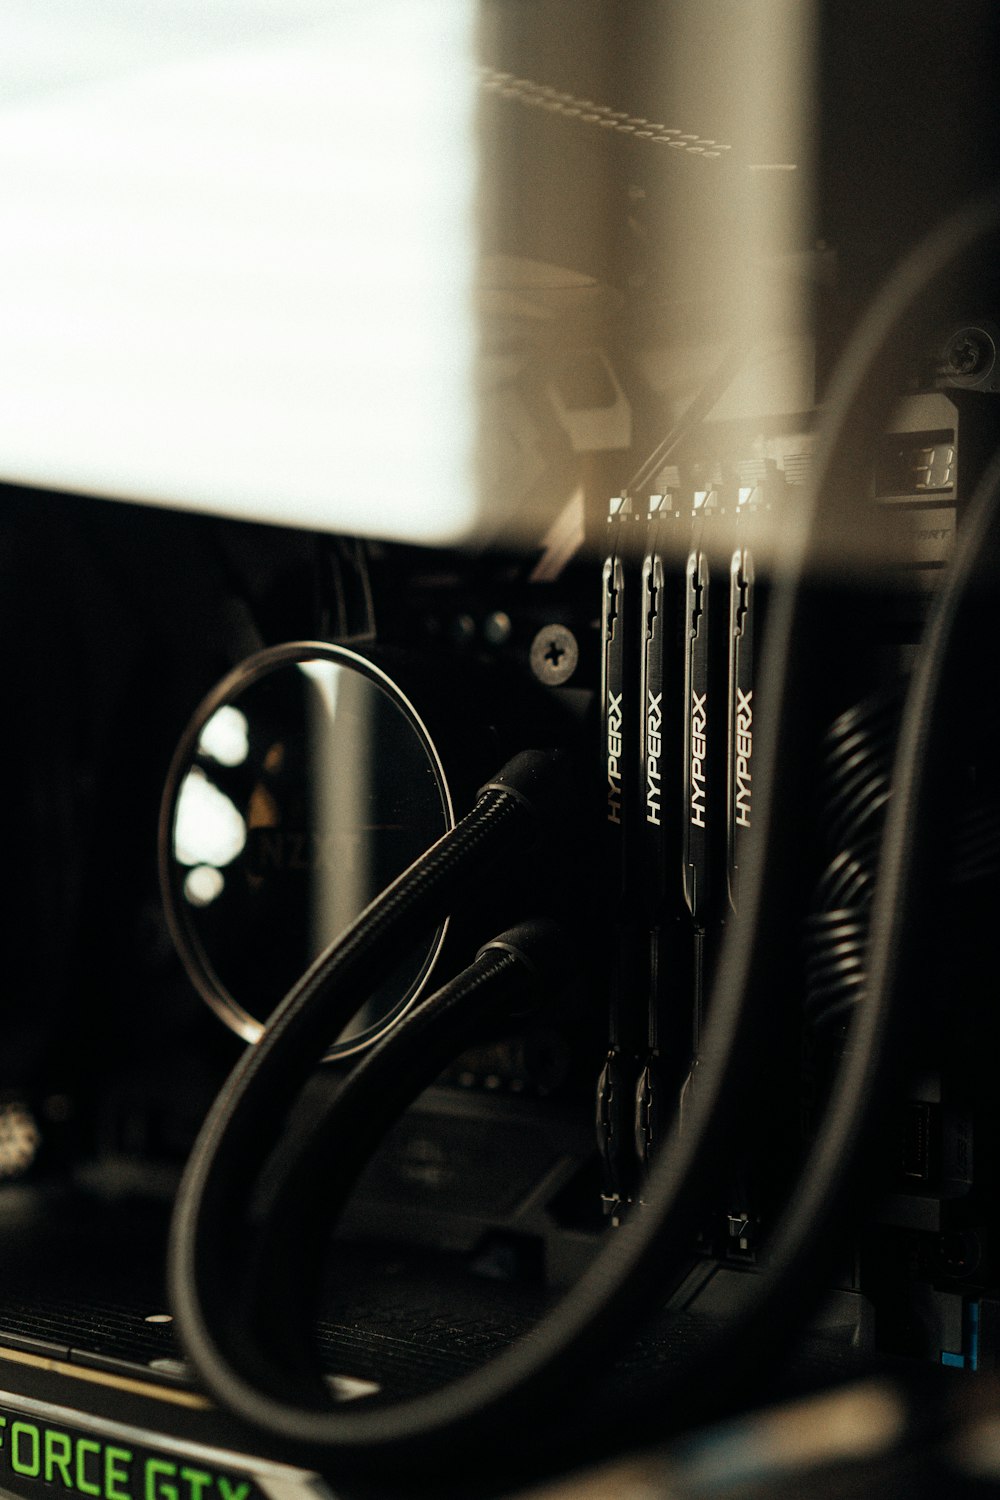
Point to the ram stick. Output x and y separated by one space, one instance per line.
620 721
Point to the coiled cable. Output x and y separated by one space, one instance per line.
857 781
857 778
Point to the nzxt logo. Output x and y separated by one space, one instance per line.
279 851
698 752
744 752
654 721
614 757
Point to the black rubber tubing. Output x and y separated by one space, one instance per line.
513 1392
250 1113
289 1219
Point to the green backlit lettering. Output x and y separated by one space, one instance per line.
238 1491
58 1452
115 1474
30 1466
157 1487
83 1484
198 1480
87 1468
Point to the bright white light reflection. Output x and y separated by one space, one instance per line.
208 829
203 884
241 280
326 676
226 736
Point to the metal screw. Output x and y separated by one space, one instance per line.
969 352
554 655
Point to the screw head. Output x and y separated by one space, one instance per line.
554 655
968 354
